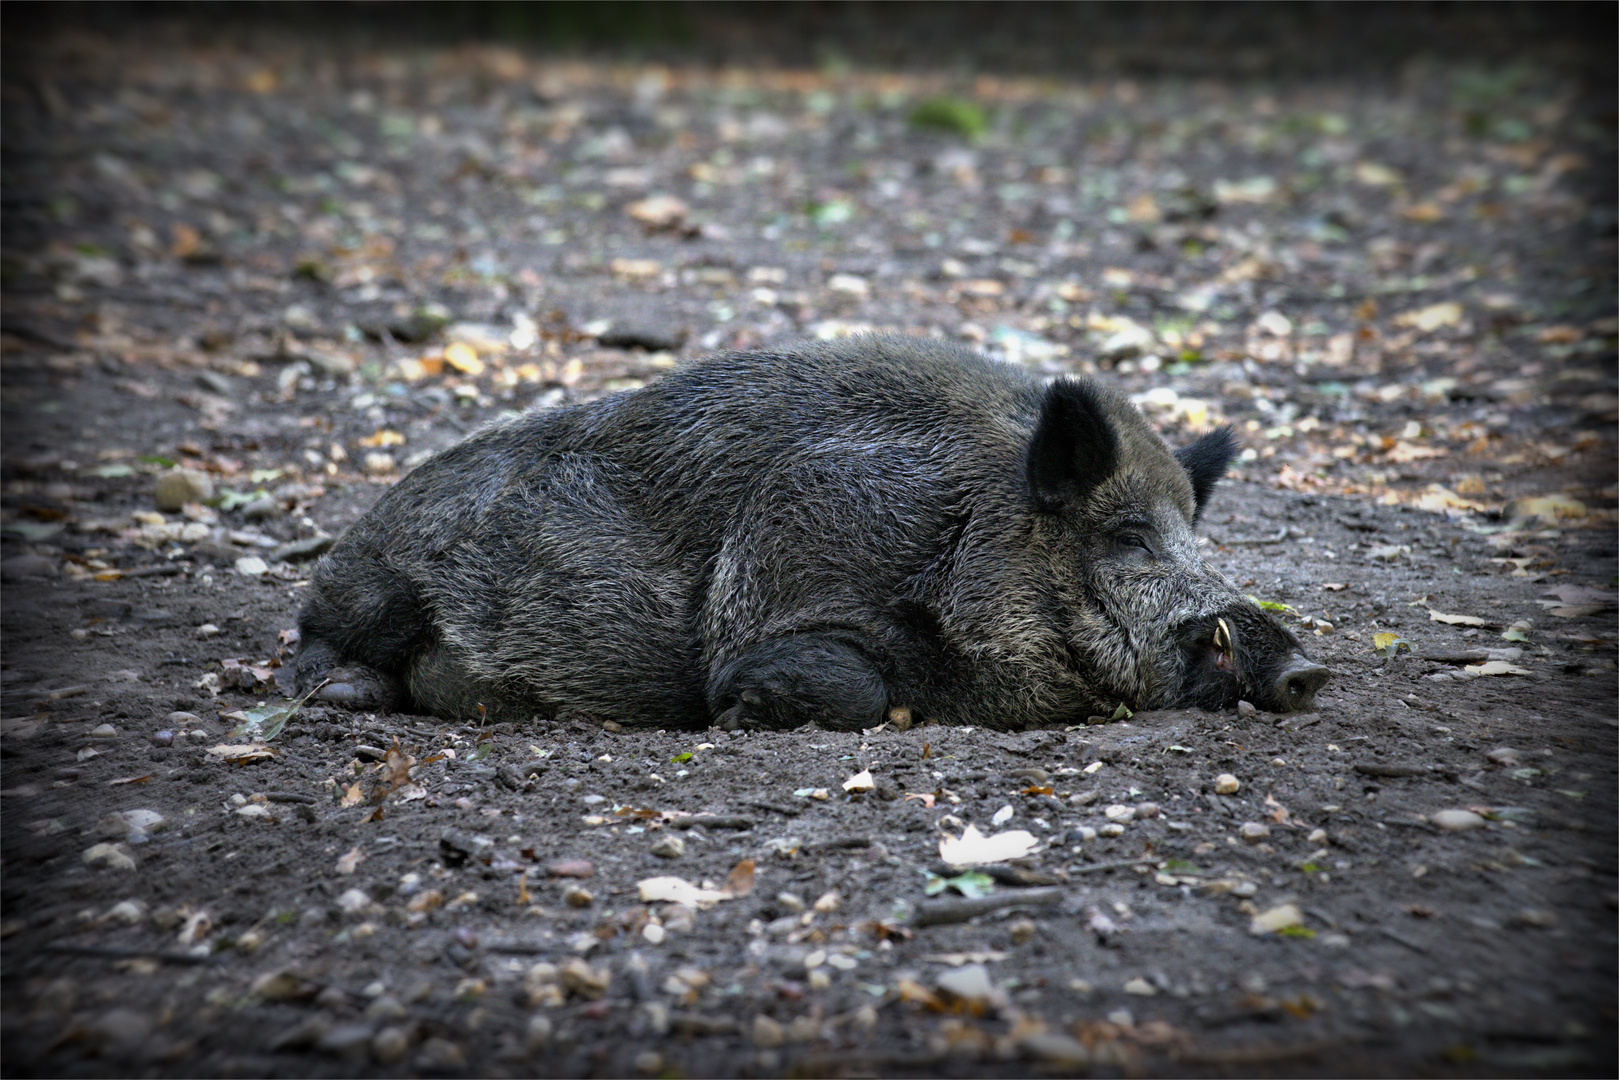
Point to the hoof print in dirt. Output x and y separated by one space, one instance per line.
765 540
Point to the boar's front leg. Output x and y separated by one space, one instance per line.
353 686
788 682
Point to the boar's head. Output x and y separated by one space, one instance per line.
1147 621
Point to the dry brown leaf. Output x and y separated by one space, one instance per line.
241 753
740 880
351 860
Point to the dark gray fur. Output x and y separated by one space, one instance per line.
820 534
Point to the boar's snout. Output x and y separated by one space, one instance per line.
1295 687
1246 654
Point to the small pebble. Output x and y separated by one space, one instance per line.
1140 987
538 1033
1022 931
113 856
1505 755
385 1008
1111 829
1226 784
654 933
1246 710
576 896
440 1055
1147 810
252 566
1119 813
128 912
791 903
207 630
390 1045
648 1062
353 901
1254 831
767 1032
1456 820
103 731
828 903
177 487
669 847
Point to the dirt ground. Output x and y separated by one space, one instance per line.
254 271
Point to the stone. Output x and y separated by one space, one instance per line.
177 487
1456 820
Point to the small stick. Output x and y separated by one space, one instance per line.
955 911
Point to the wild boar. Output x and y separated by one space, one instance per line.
824 533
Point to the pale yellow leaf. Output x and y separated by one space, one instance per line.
1457 620
860 781
1432 317
1497 667
673 890
973 848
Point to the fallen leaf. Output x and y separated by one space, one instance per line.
463 358
1277 920
1548 507
973 848
350 860
1432 317
1387 644
673 890
1576 611
1458 620
1496 667
739 882
241 753
859 782
383 437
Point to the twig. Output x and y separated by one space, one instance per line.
113 952
1373 768
1277 539
944 912
1122 864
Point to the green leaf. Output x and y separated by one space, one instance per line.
950 115
1296 931
157 459
265 722
681 759
971 883
1122 712
231 499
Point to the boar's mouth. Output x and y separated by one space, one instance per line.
1223 668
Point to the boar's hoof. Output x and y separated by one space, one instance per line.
1295 687
789 682
359 689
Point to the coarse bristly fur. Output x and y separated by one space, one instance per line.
818 534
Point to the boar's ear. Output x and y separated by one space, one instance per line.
1074 446
1206 461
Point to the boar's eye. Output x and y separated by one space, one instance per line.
1131 540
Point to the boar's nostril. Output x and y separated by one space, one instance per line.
1296 686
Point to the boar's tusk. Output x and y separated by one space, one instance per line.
1222 644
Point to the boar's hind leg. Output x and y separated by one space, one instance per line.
788 682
